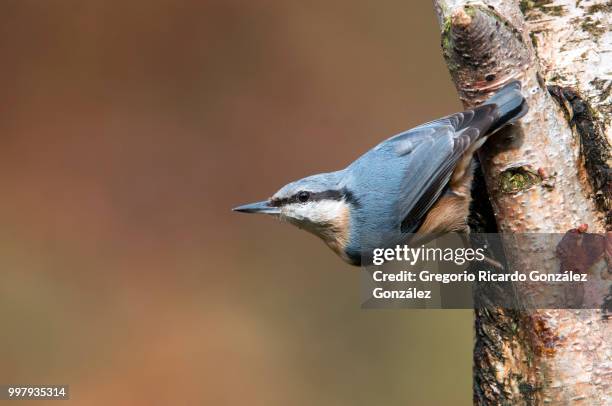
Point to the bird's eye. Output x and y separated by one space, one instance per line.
303 197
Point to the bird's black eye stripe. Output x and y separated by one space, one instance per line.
304 196
278 202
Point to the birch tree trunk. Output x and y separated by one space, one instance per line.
549 174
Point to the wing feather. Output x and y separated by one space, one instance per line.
432 151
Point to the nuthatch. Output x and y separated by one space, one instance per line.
415 183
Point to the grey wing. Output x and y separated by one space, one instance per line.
432 151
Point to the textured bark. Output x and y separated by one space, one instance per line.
549 174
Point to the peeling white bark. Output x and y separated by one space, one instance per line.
574 46
557 356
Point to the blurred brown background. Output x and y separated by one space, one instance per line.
129 130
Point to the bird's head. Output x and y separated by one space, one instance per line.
320 204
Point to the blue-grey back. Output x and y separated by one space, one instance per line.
402 177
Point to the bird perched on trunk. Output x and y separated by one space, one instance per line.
413 184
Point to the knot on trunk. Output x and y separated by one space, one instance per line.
483 52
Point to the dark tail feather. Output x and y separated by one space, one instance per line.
511 105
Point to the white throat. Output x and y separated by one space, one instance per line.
320 212
328 219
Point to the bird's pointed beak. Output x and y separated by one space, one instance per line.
259 207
